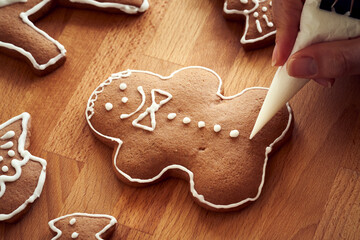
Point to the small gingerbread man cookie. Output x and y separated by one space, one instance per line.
260 29
182 126
83 226
22 175
19 37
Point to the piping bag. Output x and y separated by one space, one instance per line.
321 21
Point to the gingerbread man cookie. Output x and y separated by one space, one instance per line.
83 226
19 37
182 126
22 175
260 29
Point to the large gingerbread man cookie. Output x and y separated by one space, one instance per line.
182 126
22 175
259 29
19 37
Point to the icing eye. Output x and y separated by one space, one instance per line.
123 86
171 116
72 221
108 106
186 120
201 124
217 128
234 133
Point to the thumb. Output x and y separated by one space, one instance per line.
327 60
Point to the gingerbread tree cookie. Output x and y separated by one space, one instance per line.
83 226
22 175
19 37
260 29
182 126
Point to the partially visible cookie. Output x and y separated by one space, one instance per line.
182 126
83 226
20 38
22 175
260 29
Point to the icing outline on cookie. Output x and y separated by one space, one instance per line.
90 112
97 235
17 164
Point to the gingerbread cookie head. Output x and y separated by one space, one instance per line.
83 226
182 126
259 29
19 37
22 175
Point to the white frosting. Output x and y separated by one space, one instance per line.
258 26
268 23
143 99
122 86
25 17
112 222
247 13
234 133
74 235
264 9
186 120
108 106
5 169
256 14
1 158
244 1
7 135
72 221
171 116
18 164
11 153
7 145
201 124
217 128
90 112
4 3
124 99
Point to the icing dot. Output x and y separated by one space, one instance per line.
123 86
124 99
234 133
74 235
264 9
171 116
201 124
1 158
256 14
11 153
72 221
270 3
186 120
108 106
217 128
244 1
5 169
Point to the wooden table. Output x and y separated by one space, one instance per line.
312 187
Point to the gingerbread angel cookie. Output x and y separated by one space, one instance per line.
182 126
260 29
83 226
22 175
19 37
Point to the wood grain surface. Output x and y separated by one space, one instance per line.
312 188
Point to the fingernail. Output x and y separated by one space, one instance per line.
325 82
274 56
303 67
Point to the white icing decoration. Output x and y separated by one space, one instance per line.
72 221
8 135
74 235
7 145
5 169
124 99
186 120
122 86
217 128
4 3
108 106
201 124
171 116
268 23
244 1
256 14
18 164
90 111
247 13
264 9
154 107
25 18
1 158
143 99
112 222
258 26
234 133
11 153
270 3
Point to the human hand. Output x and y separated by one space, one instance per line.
322 62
